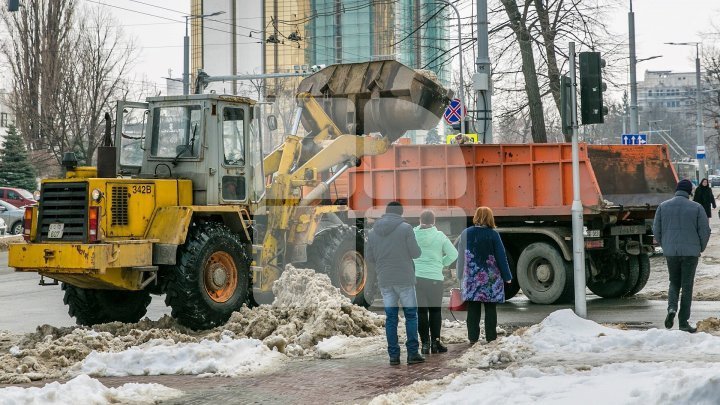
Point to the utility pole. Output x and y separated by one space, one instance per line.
577 208
482 80
186 49
461 93
633 75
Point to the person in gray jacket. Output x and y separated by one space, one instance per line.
390 250
683 230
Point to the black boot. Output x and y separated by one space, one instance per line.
670 319
685 327
415 358
425 348
437 347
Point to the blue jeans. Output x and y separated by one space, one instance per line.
406 297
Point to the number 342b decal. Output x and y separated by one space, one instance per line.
142 189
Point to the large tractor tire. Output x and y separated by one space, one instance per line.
211 278
513 288
544 276
338 252
644 263
625 276
91 307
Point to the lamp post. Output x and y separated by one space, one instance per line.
460 54
186 50
698 102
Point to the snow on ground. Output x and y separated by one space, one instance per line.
227 357
565 358
307 309
85 390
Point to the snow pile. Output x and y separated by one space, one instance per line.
566 357
228 357
710 325
306 310
49 351
88 391
622 383
351 346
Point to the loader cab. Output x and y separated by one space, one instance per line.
210 139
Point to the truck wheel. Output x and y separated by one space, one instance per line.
513 288
544 276
625 275
211 278
338 252
91 307
644 269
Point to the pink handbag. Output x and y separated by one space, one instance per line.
456 301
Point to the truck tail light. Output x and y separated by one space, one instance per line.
594 244
93 222
27 223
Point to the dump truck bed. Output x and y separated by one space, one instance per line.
519 182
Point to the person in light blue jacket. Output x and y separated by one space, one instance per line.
437 253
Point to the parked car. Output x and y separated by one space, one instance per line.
714 181
2 227
13 217
17 196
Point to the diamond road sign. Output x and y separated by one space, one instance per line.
633 139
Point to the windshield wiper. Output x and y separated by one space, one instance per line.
185 147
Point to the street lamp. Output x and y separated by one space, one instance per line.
462 83
698 102
186 50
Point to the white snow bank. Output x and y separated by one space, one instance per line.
226 357
622 383
85 390
350 346
563 331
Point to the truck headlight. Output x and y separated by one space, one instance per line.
96 195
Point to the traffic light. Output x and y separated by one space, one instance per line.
591 88
566 113
13 5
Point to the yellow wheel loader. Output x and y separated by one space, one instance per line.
185 202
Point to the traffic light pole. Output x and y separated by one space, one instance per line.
577 208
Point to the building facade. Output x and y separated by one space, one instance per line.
673 91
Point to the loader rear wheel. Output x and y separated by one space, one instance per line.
338 252
91 307
625 275
211 278
545 277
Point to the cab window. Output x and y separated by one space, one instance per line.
233 136
176 131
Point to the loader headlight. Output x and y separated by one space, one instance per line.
96 195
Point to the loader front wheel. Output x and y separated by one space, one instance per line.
211 278
91 307
338 252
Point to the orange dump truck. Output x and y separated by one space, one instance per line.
529 188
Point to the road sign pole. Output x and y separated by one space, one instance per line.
577 208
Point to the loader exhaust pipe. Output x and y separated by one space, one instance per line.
107 153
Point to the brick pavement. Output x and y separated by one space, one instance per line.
304 381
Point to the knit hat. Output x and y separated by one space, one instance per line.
684 185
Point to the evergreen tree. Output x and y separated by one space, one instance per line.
15 168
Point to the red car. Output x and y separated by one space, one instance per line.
17 196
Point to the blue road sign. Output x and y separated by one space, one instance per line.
700 152
453 114
633 139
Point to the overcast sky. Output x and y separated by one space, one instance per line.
657 21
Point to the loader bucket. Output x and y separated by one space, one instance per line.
381 96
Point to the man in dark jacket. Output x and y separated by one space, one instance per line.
390 250
683 230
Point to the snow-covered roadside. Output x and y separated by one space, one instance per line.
565 358
89 391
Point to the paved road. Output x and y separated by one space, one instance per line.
26 305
